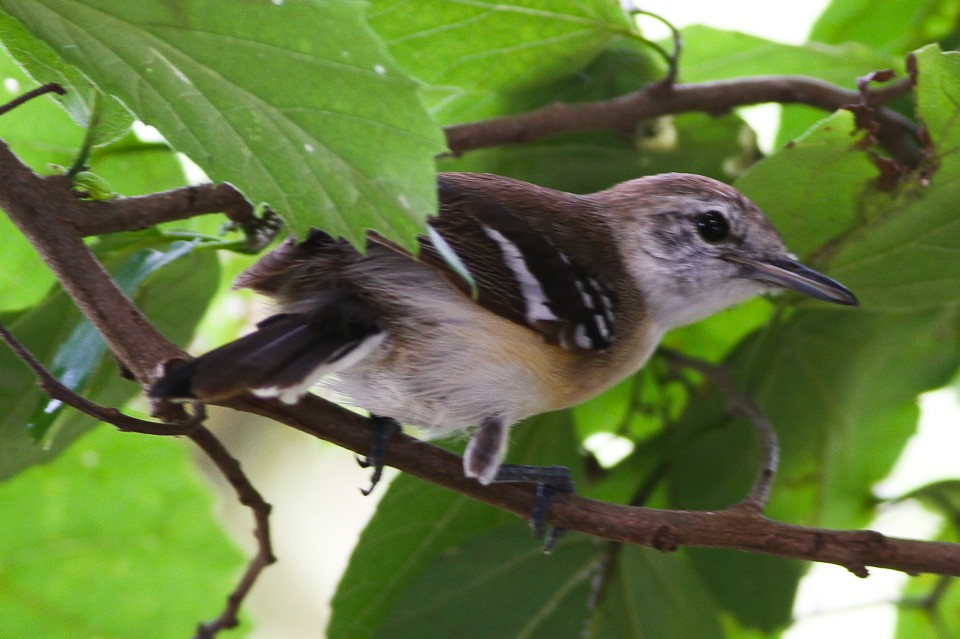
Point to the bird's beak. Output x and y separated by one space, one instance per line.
789 273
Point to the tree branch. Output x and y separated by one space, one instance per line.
43 210
896 133
667 530
98 217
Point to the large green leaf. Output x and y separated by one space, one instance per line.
499 584
113 540
654 594
815 188
416 523
473 50
273 97
893 26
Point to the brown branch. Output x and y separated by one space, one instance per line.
736 528
250 497
99 217
43 209
896 133
739 404
228 466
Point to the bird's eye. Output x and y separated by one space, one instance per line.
712 226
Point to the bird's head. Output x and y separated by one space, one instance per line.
696 246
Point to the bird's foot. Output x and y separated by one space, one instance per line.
382 428
551 481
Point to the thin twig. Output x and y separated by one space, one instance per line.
249 496
43 89
740 404
228 466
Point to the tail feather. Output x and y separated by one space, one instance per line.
283 357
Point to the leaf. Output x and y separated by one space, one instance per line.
890 25
81 352
470 47
104 543
499 584
586 162
903 257
273 97
47 327
86 105
840 389
654 594
938 98
813 188
417 522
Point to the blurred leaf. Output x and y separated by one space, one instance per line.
712 54
417 522
893 26
86 105
253 95
105 543
840 389
468 49
654 594
588 162
938 98
46 329
80 354
919 618
499 584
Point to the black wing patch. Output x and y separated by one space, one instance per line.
521 274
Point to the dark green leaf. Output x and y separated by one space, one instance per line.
417 522
499 584
653 594
113 540
840 389
814 188
273 97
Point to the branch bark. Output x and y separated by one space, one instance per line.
896 133
667 530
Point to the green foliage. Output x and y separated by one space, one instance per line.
303 100
113 540
329 112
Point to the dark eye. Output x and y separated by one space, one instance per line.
712 226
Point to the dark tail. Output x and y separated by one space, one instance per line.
282 358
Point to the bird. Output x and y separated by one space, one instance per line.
520 300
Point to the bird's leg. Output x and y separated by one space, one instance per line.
551 481
382 428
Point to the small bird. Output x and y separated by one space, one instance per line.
565 296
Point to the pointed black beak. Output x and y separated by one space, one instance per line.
789 273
